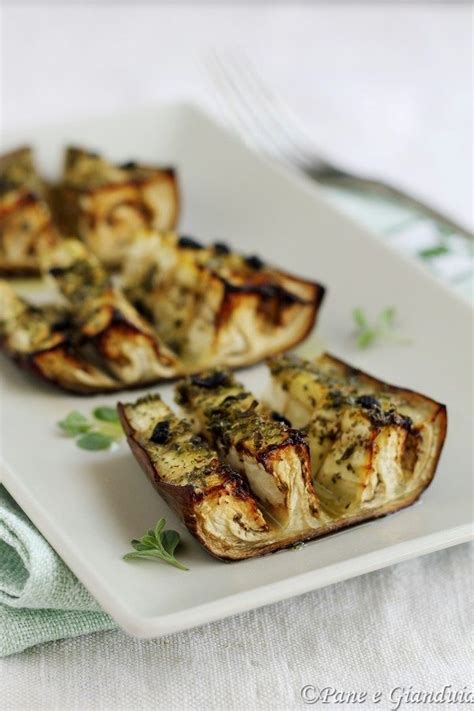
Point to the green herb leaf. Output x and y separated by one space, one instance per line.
106 414
366 338
387 317
359 318
169 541
367 334
94 441
159 527
92 435
74 424
157 544
432 252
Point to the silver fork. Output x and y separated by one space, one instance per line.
269 124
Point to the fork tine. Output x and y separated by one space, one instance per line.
265 110
226 97
240 118
275 111
244 112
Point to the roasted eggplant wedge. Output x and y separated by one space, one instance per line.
108 327
137 339
107 205
374 447
26 227
42 340
214 306
273 457
373 450
212 499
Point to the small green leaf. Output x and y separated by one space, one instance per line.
159 527
383 328
154 555
157 543
74 424
432 252
106 414
170 540
94 441
387 317
366 338
360 318
149 541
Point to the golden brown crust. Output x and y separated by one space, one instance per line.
107 206
438 415
215 306
26 227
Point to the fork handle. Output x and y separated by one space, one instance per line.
337 178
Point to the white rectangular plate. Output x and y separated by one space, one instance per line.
89 505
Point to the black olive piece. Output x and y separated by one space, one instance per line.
336 397
197 440
254 262
280 418
6 185
57 271
130 165
268 291
214 380
368 402
62 325
221 248
189 243
161 433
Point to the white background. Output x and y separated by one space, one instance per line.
381 86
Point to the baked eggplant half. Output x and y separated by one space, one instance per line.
371 448
26 227
374 447
216 307
106 205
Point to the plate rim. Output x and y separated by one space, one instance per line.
153 626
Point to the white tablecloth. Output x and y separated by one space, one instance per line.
385 88
406 626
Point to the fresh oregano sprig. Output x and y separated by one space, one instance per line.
93 434
382 329
157 544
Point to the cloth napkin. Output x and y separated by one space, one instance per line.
40 599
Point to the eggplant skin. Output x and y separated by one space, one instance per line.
107 205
